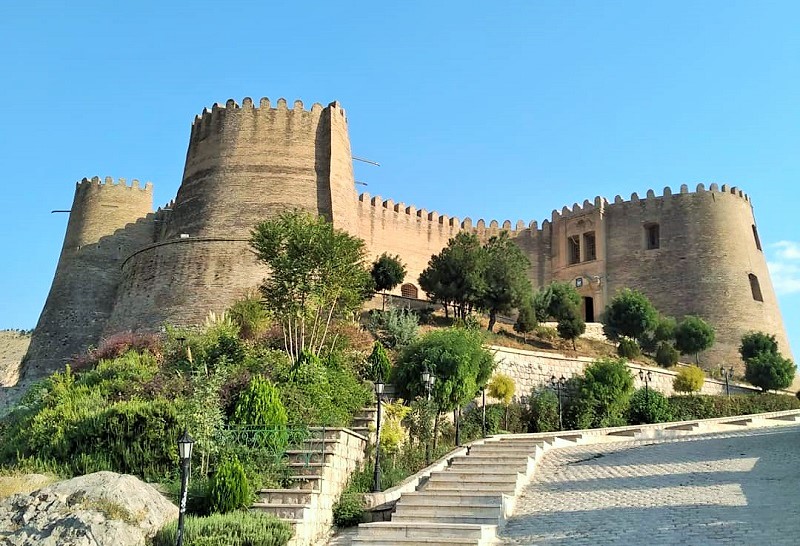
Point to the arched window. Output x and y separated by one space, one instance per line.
408 290
755 288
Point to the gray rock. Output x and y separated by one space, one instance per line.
100 509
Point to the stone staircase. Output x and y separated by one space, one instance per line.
364 423
467 502
319 471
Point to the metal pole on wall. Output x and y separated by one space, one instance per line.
376 484
185 444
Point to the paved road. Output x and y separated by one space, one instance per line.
738 488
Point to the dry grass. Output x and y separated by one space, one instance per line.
23 483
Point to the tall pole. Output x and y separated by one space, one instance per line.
376 485
184 492
457 420
483 405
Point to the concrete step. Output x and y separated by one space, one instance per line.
304 482
391 530
424 512
307 469
375 541
460 498
308 456
446 518
454 487
792 418
286 496
493 462
283 511
472 476
687 426
496 449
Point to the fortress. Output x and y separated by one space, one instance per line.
125 267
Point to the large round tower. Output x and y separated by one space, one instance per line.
106 222
244 164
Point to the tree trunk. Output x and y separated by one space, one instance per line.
492 320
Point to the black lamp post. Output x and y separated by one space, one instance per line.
376 485
427 381
483 410
728 375
185 444
558 385
646 377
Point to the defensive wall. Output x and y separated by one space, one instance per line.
124 267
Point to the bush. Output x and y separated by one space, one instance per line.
349 509
260 406
229 489
542 412
395 327
666 355
250 316
648 407
629 314
755 343
378 364
234 529
769 371
570 327
117 345
603 394
686 408
472 421
628 348
689 379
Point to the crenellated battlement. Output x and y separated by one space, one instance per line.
218 117
109 183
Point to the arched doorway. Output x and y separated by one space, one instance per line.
588 309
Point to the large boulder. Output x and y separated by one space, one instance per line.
100 509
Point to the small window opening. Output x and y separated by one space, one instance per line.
755 236
408 290
755 288
574 246
652 236
589 247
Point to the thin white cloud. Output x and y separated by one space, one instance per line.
786 251
784 266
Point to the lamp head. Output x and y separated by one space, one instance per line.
379 387
185 444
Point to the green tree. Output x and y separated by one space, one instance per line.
387 272
455 276
693 335
666 355
379 363
458 360
755 343
604 392
558 300
502 387
769 371
570 327
629 314
316 273
689 379
505 285
526 319
648 406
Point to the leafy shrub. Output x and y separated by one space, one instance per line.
628 348
686 408
666 355
229 488
348 509
755 343
570 327
501 387
250 316
769 371
689 379
394 327
379 365
393 433
117 345
693 335
526 318
260 406
602 394
545 333
648 406
234 529
472 421
425 315
542 413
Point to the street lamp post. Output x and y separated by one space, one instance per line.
483 410
185 444
558 385
728 375
376 486
646 377
427 380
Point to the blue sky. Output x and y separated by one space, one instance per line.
501 110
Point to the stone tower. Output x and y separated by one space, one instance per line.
108 221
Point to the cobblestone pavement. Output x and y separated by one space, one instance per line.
731 488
